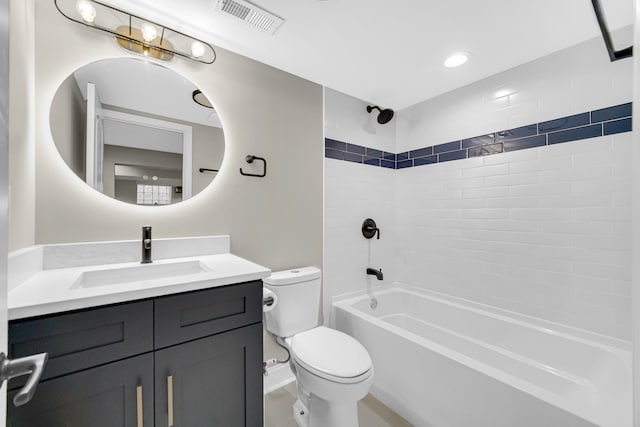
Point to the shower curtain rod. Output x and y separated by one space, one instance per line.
614 55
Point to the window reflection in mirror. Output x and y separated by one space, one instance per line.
132 130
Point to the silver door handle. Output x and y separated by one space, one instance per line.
170 401
33 365
139 414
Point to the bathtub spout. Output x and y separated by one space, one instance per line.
374 272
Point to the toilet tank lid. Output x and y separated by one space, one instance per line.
295 275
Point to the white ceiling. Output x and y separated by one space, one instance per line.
391 52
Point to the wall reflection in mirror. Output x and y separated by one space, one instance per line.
132 130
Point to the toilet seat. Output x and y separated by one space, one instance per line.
332 355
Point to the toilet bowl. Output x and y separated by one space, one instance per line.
333 370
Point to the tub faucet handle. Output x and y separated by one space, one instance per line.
370 229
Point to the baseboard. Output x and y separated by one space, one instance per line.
279 376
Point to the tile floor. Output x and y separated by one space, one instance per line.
371 412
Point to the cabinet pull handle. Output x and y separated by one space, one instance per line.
139 406
170 399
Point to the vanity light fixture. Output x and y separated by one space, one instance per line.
457 59
135 33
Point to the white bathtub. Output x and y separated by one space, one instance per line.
442 361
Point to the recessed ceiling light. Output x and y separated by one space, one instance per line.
457 59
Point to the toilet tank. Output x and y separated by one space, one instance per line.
298 305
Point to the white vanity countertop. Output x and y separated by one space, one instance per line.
56 290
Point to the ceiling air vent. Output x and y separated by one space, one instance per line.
251 14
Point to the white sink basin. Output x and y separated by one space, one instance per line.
138 273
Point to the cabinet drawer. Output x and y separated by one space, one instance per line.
185 317
80 340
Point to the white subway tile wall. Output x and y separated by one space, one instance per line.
346 119
543 231
353 193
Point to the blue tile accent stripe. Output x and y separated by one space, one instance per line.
564 123
449 146
517 133
576 134
611 113
617 126
592 124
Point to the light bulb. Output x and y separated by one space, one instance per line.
197 49
155 178
149 32
86 11
456 60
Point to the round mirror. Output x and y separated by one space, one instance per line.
137 131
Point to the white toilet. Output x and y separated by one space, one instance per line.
332 369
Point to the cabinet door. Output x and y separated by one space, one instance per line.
211 382
107 396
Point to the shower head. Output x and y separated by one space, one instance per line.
384 116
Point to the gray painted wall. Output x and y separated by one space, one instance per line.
69 125
4 181
208 152
275 221
22 167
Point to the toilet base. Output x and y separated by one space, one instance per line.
325 414
300 414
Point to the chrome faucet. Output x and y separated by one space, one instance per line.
146 245
374 272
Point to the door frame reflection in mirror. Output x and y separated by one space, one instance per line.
184 130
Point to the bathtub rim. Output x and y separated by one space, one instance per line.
609 344
603 341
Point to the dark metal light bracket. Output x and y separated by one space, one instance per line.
614 55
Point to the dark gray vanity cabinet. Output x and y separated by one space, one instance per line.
112 395
183 360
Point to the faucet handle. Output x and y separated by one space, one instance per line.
370 229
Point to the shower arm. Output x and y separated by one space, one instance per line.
614 55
